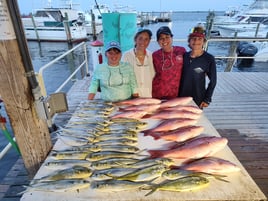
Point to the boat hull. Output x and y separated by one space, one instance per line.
55 34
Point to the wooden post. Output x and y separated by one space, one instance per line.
232 54
67 28
93 25
17 92
35 28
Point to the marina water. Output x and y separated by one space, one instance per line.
44 52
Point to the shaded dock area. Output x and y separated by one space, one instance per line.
239 111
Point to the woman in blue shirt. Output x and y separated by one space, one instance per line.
115 79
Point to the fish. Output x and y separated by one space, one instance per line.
170 124
116 185
70 155
117 142
193 149
75 172
111 163
188 183
145 173
177 173
73 141
64 163
122 148
176 101
189 108
100 175
212 165
115 136
172 114
138 114
139 124
139 101
149 162
63 185
180 134
96 156
76 138
124 120
118 127
144 107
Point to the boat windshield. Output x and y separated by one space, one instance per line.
54 14
259 4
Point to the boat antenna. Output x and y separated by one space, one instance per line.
97 6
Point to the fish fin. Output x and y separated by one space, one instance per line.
146 116
152 191
219 177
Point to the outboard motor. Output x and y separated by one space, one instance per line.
246 49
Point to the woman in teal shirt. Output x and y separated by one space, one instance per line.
115 79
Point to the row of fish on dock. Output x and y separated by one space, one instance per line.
99 149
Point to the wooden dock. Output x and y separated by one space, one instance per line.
239 111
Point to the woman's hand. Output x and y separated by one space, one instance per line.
91 96
136 95
203 104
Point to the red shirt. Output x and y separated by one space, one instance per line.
168 70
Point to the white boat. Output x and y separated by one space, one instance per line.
55 24
93 19
262 54
254 17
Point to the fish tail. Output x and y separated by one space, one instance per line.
24 191
146 132
121 109
155 153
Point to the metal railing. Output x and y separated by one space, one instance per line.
40 78
39 75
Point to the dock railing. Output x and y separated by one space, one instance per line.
231 55
84 64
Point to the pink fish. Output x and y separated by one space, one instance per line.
176 101
180 134
138 114
173 114
189 108
170 124
194 149
211 165
145 107
139 101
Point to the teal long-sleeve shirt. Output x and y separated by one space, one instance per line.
116 82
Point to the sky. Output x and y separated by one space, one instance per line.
27 6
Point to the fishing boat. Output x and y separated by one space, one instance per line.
252 19
93 19
55 24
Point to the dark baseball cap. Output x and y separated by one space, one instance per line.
163 30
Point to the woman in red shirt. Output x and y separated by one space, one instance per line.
168 62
